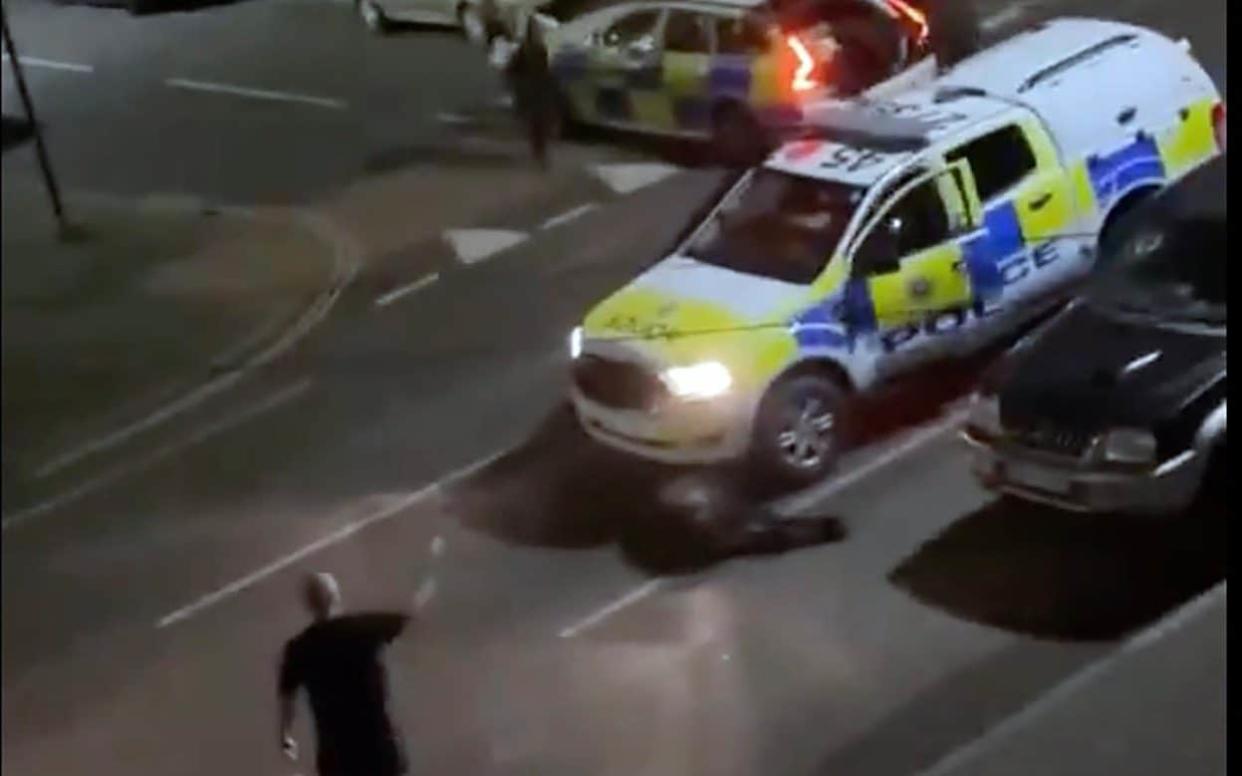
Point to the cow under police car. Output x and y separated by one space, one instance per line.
902 230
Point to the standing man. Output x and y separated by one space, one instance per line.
337 659
531 76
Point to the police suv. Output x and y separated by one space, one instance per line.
912 228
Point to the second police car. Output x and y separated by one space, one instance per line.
737 72
907 230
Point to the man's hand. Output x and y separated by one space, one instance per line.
289 745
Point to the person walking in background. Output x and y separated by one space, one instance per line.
535 91
337 660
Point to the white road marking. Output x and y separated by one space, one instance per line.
1006 15
284 395
603 613
346 262
384 513
628 178
831 487
1176 620
406 290
52 64
792 505
438 546
568 216
474 245
453 118
258 94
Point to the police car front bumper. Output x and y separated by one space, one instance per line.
1086 487
689 432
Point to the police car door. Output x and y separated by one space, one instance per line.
682 104
907 264
1028 246
625 62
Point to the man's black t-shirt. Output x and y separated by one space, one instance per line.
338 662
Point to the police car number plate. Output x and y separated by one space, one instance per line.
1038 477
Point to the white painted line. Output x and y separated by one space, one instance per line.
475 245
1174 621
832 487
194 397
406 290
629 178
52 64
384 513
1007 15
258 94
284 395
438 546
233 588
599 615
568 216
453 118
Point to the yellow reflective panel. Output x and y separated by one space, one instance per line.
927 282
652 109
686 74
1080 185
1189 142
766 86
1045 207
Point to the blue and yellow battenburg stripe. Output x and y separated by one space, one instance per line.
679 93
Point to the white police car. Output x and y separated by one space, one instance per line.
912 228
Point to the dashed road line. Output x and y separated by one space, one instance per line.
474 245
283 396
568 215
52 64
629 178
599 615
406 290
258 94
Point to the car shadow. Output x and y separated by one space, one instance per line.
1055 575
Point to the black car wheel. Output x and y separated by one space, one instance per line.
798 433
737 138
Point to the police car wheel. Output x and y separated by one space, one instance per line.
372 16
798 431
736 137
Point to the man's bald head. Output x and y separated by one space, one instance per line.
322 594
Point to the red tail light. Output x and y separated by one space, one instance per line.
1218 125
912 15
802 80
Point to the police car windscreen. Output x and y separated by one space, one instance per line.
777 225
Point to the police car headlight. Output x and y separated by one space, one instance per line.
983 417
705 380
575 342
1129 446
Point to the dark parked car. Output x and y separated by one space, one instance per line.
1118 403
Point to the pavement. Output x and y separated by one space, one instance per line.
133 305
146 595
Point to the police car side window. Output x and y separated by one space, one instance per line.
998 160
687 32
917 222
739 36
631 29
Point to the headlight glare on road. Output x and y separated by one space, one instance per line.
575 342
983 417
1129 446
704 380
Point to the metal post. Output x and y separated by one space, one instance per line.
45 164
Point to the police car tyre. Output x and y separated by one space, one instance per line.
372 16
736 137
1117 226
798 431
473 28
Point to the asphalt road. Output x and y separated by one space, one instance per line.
147 591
